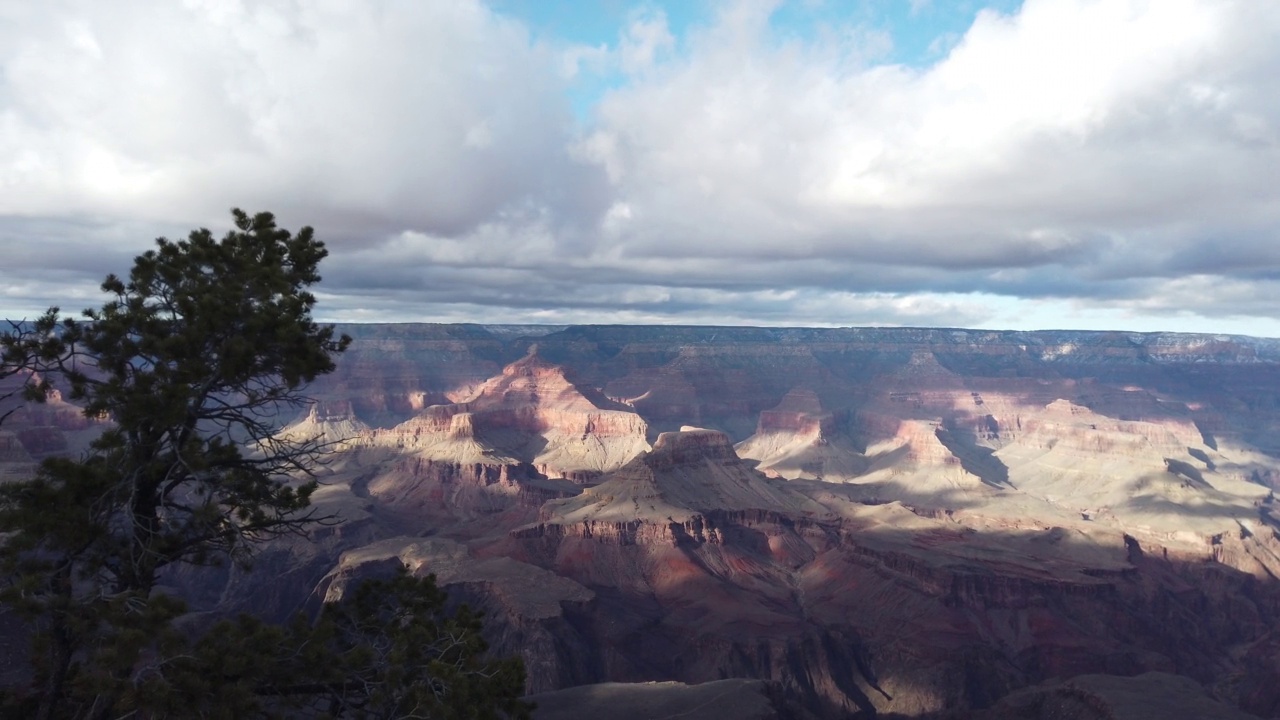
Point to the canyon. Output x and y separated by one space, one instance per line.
846 522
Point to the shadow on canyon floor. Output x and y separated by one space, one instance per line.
896 620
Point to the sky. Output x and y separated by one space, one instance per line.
1034 164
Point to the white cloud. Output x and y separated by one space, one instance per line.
1087 153
1077 134
577 59
646 38
432 116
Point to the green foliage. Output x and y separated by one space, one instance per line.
389 651
192 360
403 656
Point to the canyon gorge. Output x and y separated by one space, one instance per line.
845 522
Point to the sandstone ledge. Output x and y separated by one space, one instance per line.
735 699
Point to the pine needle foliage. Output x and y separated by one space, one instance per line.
192 360
191 364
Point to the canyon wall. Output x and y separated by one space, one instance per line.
870 521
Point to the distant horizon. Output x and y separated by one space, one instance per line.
1019 164
556 327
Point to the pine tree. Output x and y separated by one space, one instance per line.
192 360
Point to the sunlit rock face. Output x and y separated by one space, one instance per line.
531 412
732 699
38 430
688 474
799 439
872 521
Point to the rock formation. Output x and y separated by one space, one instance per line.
799 439
1107 697
532 412
717 700
911 522
689 473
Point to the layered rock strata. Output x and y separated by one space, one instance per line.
530 413
913 520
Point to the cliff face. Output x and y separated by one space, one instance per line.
799 439
532 413
687 475
911 520
883 609
39 430
873 520
1107 697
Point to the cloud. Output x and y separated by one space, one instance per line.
1093 141
646 38
1115 156
366 117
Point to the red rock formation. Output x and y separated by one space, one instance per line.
531 413
334 422
687 474
799 439
1011 507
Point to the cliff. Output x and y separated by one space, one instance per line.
531 412
870 521
687 473
910 520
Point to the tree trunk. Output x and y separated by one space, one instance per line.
61 646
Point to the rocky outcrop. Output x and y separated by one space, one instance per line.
531 413
687 474
53 427
885 616
911 520
799 439
1107 697
333 423
438 492
531 611
1066 424
716 700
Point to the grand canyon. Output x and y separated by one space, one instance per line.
814 523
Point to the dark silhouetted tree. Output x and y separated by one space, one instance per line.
388 650
192 360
